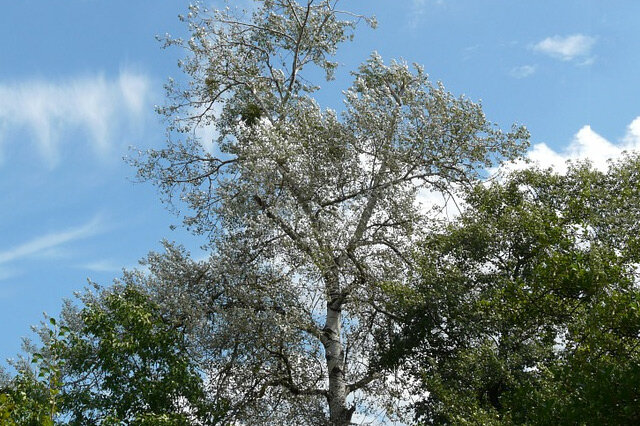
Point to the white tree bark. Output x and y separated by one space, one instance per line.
339 413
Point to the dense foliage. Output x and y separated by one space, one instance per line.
526 309
307 210
117 361
25 401
331 295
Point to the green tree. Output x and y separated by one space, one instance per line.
526 310
116 360
127 363
308 211
32 396
25 401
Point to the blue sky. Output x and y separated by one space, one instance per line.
79 79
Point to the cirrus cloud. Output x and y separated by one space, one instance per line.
50 112
52 241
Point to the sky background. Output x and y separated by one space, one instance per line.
79 80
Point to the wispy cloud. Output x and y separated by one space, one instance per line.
419 5
567 48
95 105
103 265
419 9
48 242
523 71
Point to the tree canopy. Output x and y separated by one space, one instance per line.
116 360
526 309
332 294
309 211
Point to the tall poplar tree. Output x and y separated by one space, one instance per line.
309 211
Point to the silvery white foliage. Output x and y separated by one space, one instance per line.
236 332
310 213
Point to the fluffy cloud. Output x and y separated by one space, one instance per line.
566 48
586 145
99 107
632 138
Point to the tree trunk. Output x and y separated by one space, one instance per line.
339 413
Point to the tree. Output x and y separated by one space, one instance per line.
309 212
31 397
527 308
115 360
25 401
128 363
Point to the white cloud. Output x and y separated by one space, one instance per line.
523 71
47 242
50 111
418 10
567 48
207 134
438 204
103 265
632 138
586 145
420 6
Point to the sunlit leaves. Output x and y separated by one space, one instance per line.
528 307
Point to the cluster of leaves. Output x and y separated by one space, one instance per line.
32 396
116 361
527 308
25 401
